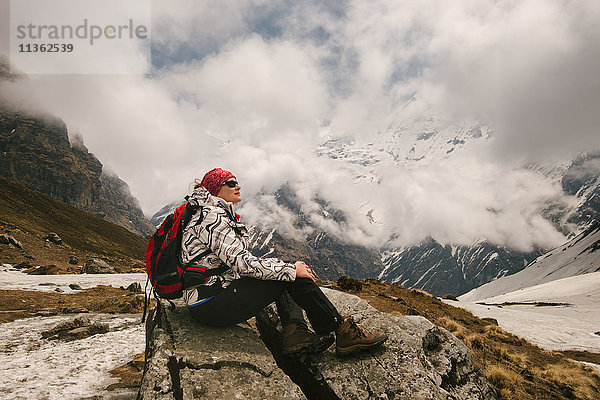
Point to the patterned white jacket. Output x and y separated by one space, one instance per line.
214 227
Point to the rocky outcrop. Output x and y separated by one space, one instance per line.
120 207
186 361
419 361
36 151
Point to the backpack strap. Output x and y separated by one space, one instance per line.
217 271
198 257
211 271
185 219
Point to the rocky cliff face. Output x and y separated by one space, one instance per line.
449 269
419 361
35 150
582 179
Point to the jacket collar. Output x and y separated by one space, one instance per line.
203 197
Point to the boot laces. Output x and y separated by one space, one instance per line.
303 331
301 328
357 329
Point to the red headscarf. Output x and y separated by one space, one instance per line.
213 180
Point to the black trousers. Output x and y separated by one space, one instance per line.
245 297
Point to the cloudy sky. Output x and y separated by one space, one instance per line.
257 86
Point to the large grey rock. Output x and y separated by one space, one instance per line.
185 360
97 266
419 360
8 239
53 237
157 382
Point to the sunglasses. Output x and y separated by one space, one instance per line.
230 184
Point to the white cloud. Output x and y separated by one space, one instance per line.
230 95
253 86
528 65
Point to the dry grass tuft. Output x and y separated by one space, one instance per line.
454 327
519 359
475 341
503 379
422 292
496 333
572 379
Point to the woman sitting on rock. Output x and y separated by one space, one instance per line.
240 284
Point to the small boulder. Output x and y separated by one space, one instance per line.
449 297
75 286
15 242
53 238
348 283
23 265
73 260
42 270
46 312
97 266
4 239
59 290
79 328
135 287
74 310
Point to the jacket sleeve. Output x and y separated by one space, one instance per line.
218 233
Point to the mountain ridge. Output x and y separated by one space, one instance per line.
36 151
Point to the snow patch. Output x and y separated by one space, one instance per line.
11 279
268 239
36 368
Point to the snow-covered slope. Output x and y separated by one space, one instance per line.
572 324
576 257
579 289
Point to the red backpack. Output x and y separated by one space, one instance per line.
163 254
164 266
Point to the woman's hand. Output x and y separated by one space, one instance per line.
303 271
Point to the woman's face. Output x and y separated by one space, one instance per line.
230 194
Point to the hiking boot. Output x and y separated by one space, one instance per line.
351 337
297 338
